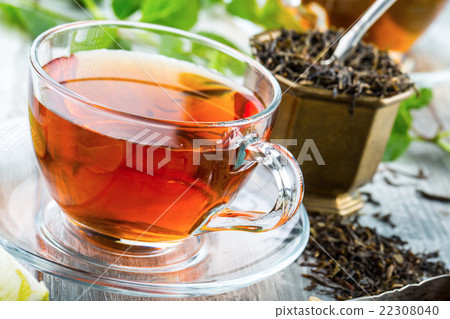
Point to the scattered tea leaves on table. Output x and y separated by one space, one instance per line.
368 198
434 196
386 219
396 171
395 183
377 263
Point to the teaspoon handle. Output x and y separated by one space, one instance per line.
350 39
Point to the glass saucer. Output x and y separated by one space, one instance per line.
33 229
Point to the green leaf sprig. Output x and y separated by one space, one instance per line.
36 16
403 131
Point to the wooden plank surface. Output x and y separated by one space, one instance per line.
424 223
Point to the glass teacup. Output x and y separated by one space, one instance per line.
145 134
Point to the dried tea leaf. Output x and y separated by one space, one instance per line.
371 263
434 196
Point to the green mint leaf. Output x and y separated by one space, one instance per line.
124 8
397 145
275 15
94 39
400 139
246 9
173 13
218 60
419 101
223 62
442 140
9 15
174 47
444 145
28 18
218 38
208 3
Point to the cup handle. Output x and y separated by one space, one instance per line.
289 181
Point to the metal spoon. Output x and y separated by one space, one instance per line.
351 38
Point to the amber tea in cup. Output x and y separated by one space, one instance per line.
144 146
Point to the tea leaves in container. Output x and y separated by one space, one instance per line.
365 71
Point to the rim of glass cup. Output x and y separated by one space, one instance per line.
38 68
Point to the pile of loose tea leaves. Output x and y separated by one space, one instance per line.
377 263
365 71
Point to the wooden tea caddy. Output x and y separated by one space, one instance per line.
351 146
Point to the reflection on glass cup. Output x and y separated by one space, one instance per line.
145 134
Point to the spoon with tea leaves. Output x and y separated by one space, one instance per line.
352 37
